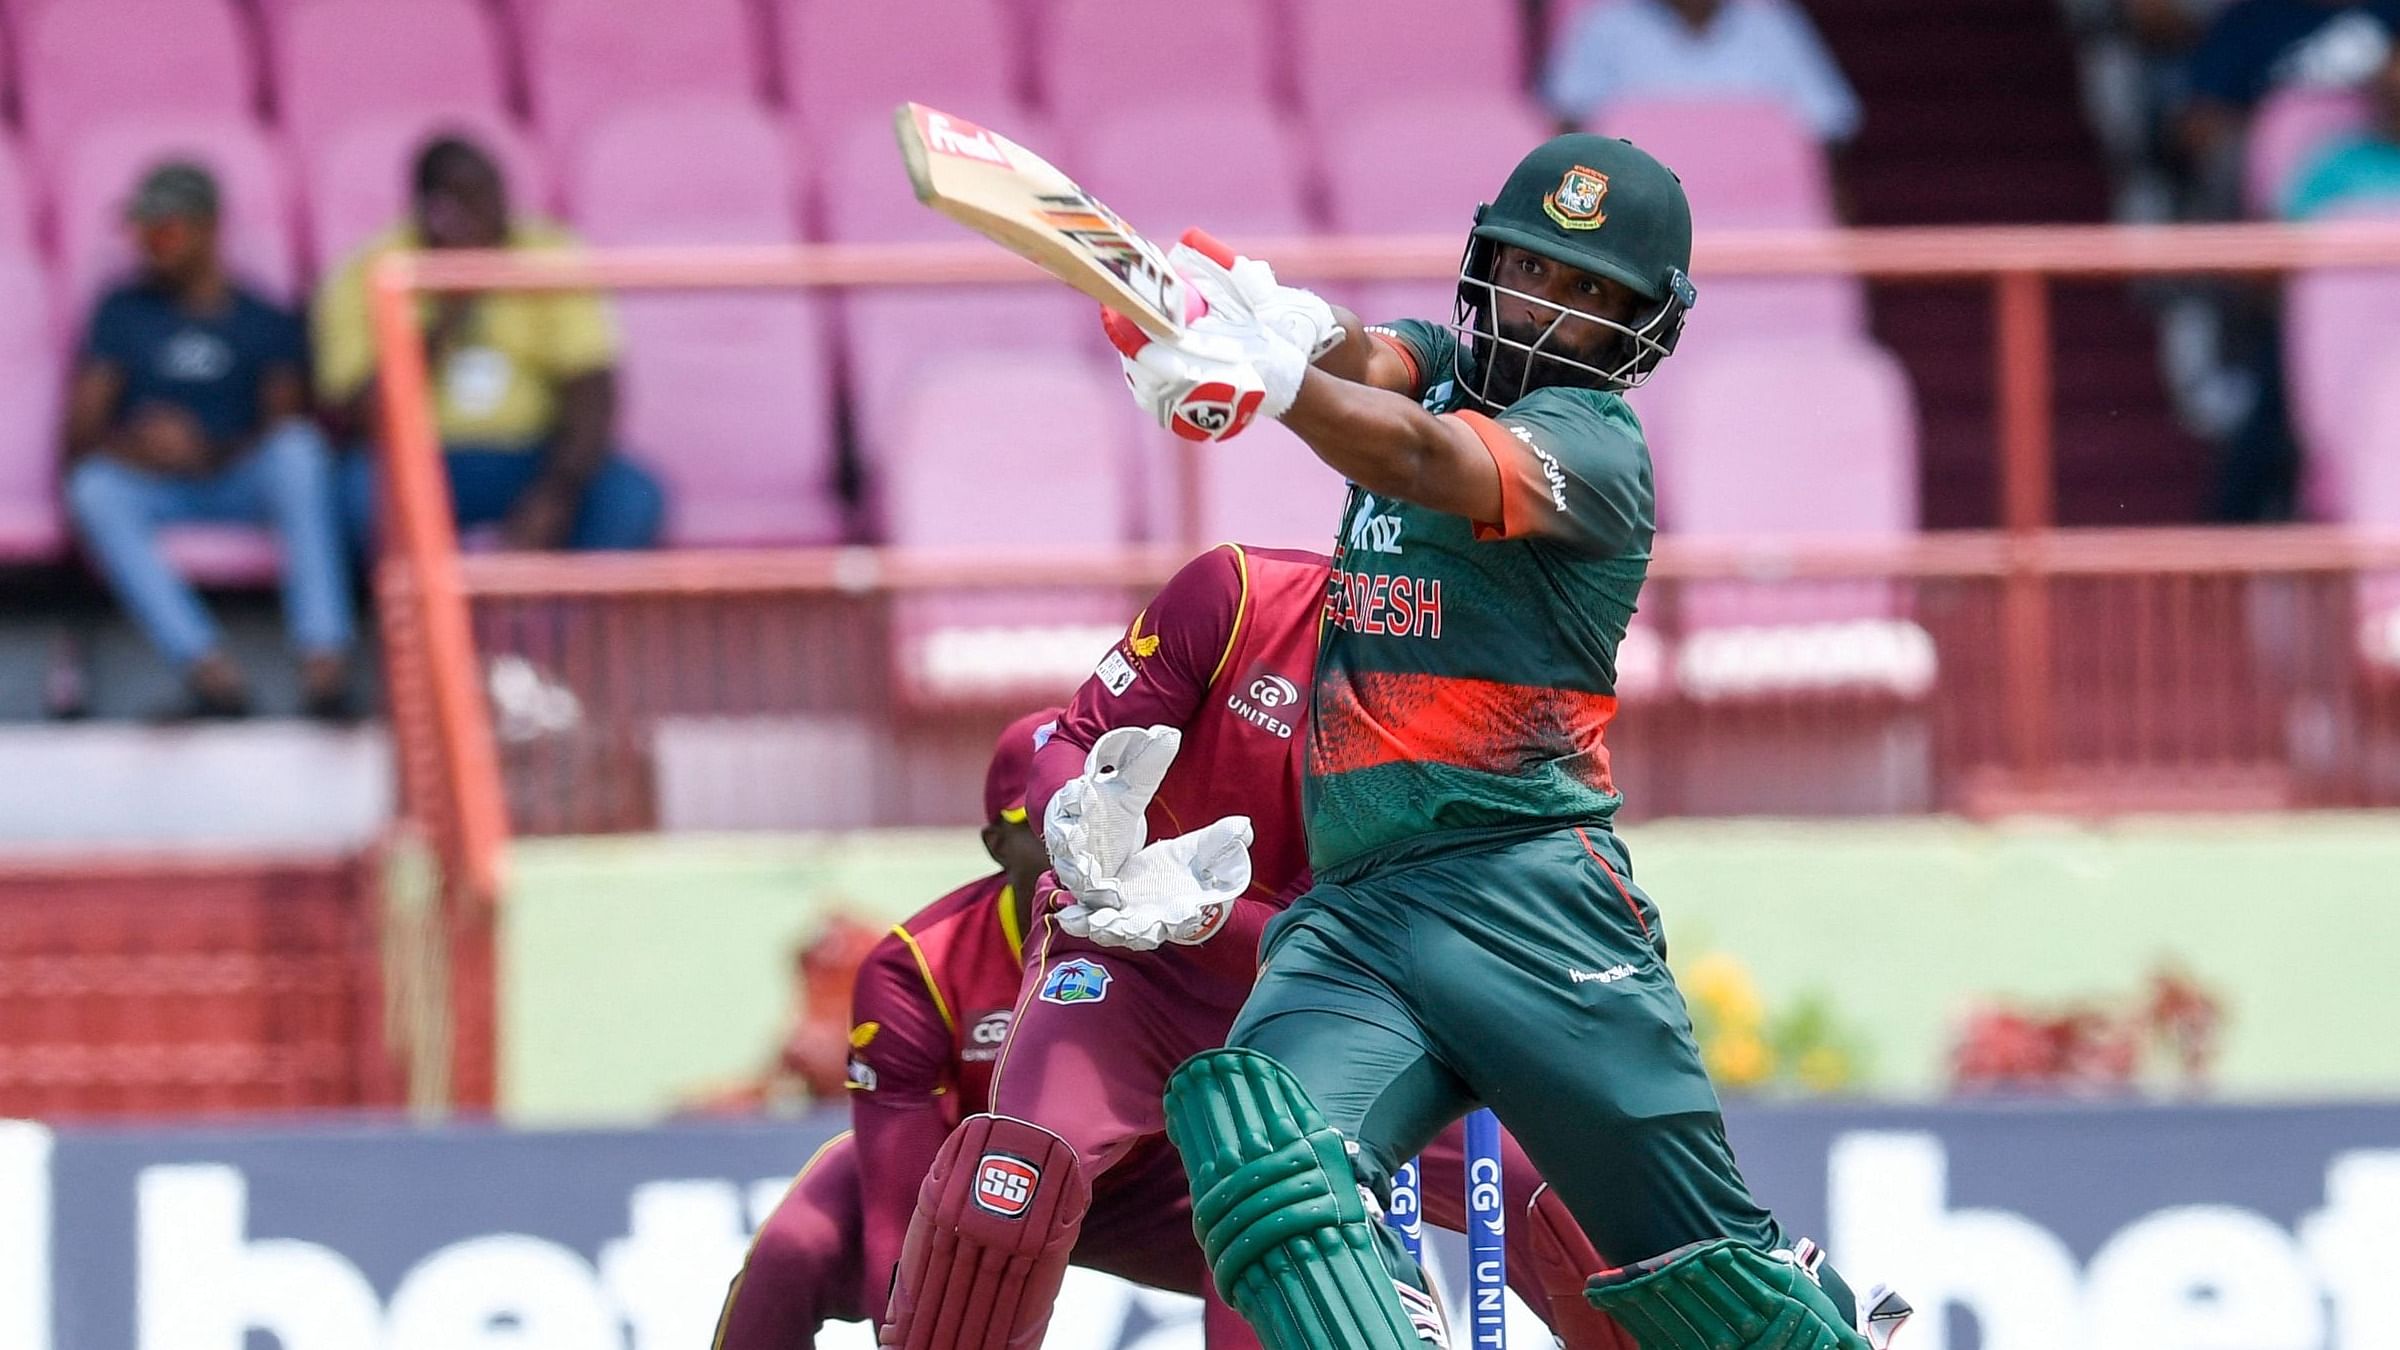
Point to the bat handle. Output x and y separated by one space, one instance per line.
1127 337
1201 241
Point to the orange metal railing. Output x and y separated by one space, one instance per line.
451 772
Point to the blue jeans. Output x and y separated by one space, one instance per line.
286 482
623 506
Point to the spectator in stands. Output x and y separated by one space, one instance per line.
1743 48
2361 168
2257 46
525 385
189 403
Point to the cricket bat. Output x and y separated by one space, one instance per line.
1015 198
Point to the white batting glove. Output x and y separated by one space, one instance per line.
1205 386
1178 890
1247 292
1098 821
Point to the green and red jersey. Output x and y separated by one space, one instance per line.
1468 669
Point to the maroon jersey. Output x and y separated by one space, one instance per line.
1224 653
928 1019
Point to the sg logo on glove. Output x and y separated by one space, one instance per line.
1215 411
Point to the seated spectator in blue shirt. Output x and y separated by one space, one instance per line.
189 403
1735 48
2360 169
2256 47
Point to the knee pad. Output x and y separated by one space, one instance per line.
1563 1259
987 1248
1288 1235
1723 1295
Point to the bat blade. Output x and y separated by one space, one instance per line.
1020 201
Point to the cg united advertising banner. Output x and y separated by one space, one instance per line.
2011 1227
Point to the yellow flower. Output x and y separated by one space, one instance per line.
1824 1068
1720 983
1738 1059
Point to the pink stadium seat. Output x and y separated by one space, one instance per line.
1262 487
1731 462
729 399
1747 163
2286 134
843 62
889 331
94 61
978 462
695 170
586 56
1421 166
1236 169
1102 56
30 394
2337 321
103 167
1345 53
358 186
340 60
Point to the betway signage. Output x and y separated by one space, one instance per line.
2032 1228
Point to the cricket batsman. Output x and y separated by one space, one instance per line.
1189 733
929 1015
1474 934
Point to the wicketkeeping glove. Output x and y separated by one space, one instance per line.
1095 823
1178 890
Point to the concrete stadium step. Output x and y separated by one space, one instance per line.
254 785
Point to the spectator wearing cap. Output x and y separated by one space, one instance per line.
2256 47
525 391
190 403
1763 49
2358 170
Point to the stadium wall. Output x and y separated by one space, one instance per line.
2060 1227
637 970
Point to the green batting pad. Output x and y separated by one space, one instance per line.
1721 1295
1278 1210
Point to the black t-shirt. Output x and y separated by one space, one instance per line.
211 365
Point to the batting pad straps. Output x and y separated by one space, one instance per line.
1278 1209
1722 1295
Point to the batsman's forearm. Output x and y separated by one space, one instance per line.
1389 445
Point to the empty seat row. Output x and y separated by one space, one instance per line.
320 64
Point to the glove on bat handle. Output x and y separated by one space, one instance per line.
1127 337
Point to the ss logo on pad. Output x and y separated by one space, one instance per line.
1004 1185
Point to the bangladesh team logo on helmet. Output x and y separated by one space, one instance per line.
1575 202
1604 207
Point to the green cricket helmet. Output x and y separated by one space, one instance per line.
1594 203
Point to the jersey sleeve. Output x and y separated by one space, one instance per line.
1157 674
899 1065
1573 470
1425 345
